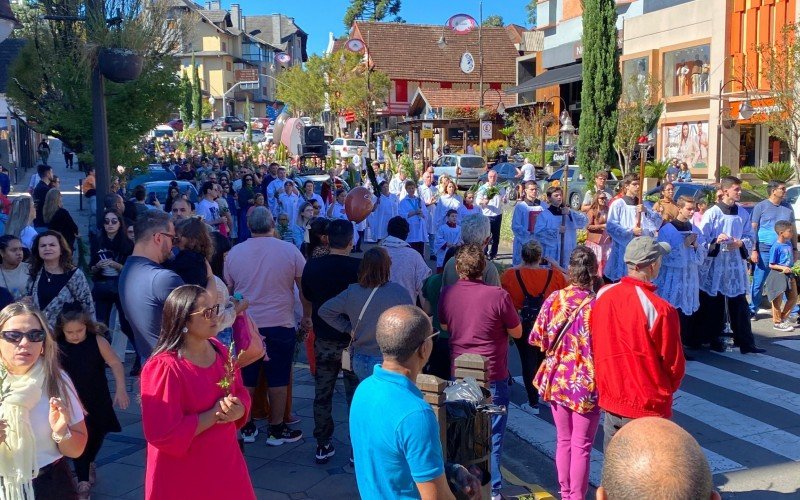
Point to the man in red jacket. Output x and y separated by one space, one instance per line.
636 343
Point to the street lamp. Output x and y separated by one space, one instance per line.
211 101
567 133
7 20
746 111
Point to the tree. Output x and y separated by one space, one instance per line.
187 108
638 113
602 86
781 68
530 8
303 87
197 95
347 84
371 10
494 20
49 80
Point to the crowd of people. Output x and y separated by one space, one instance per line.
215 296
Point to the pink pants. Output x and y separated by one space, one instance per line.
575 435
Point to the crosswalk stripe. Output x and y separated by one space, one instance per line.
743 385
791 344
766 362
739 426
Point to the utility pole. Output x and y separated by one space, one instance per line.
102 167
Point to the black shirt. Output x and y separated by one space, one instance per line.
324 278
39 194
49 290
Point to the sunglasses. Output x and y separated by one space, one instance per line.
111 221
15 337
208 312
174 237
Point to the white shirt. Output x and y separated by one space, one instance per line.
494 206
208 209
528 172
46 449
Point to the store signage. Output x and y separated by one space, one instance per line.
246 75
427 130
762 109
577 50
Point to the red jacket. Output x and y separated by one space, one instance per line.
638 356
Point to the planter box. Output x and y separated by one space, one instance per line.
119 65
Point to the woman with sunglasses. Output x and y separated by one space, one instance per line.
41 418
597 238
56 282
246 198
192 404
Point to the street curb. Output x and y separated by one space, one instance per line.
536 491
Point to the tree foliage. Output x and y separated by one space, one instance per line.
781 68
372 10
197 96
530 9
602 86
187 108
638 113
303 88
49 80
495 20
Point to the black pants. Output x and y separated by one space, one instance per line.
439 362
530 358
419 246
494 224
54 482
689 336
68 159
712 314
93 443
328 355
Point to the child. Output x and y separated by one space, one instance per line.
448 235
781 279
283 229
84 354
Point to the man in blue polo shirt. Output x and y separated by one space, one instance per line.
765 214
393 430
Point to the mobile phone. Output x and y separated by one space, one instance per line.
238 296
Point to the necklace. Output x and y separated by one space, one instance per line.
46 274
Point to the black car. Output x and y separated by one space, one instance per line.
229 124
748 200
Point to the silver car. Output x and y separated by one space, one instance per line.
467 168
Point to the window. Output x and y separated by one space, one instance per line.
228 66
224 46
686 71
337 142
172 24
635 71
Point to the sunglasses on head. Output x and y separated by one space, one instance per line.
15 337
208 312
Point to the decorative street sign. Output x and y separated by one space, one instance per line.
462 23
355 45
467 63
283 58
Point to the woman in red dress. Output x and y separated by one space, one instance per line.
189 413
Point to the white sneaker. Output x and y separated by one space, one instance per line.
782 327
531 410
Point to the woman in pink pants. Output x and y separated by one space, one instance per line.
566 378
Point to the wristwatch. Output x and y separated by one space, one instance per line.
65 437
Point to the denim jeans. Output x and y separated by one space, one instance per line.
499 390
760 272
364 364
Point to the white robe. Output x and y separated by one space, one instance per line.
338 212
274 190
444 235
288 204
463 211
619 226
446 202
547 233
428 194
416 223
678 281
397 187
379 219
726 271
522 228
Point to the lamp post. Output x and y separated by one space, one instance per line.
746 111
644 145
546 123
567 132
211 102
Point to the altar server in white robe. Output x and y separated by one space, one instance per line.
385 207
523 221
551 224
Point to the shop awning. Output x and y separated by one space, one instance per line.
566 74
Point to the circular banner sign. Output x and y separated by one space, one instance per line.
467 63
462 23
283 58
355 45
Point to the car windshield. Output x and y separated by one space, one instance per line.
559 174
471 162
356 143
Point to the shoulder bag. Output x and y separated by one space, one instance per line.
347 361
570 320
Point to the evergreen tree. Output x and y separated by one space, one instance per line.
187 107
602 87
197 95
371 10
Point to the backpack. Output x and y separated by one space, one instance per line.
531 305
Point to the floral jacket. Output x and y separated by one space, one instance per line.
76 290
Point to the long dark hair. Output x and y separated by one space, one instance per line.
81 316
582 268
5 240
197 237
221 246
120 244
65 260
317 229
179 304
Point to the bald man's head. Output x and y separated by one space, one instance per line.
401 331
654 458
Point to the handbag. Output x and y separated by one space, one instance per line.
246 338
347 361
569 322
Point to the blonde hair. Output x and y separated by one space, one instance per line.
19 218
54 383
51 205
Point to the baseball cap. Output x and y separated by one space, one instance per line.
644 250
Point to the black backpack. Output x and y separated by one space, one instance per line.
531 305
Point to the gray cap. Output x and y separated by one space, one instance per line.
644 250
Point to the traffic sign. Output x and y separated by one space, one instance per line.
486 130
427 130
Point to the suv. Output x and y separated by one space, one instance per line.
577 184
347 148
229 124
467 168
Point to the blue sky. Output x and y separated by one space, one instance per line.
319 17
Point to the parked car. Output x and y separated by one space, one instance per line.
160 188
258 135
206 124
347 148
162 131
229 124
259 123
577 184
507 173
306 120
176 124
318 180
155 172
466 168
748 200
793 198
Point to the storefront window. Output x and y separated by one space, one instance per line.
747 145
686 71
634 71
688 142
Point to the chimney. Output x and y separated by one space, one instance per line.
216 5
208 5
236 16
277 36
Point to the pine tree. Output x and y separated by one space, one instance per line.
197 95
187 107
602 87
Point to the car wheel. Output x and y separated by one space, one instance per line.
228 129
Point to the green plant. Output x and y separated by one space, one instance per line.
724 171
617 172
779 171
535 157
508 131
748 169
656 169
407 166
747 185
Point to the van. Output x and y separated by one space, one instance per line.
467 168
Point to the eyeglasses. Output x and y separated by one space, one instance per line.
208 312
174 237
111 221
431 336
15 337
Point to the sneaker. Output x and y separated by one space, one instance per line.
279 434
249 432
324 452
530 409
782 327
753 316
83 490
92 473
293 419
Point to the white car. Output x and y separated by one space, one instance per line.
162 131
258 135
793 198
347 148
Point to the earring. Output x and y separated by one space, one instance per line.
185 330
42 351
